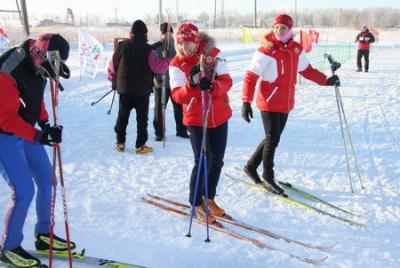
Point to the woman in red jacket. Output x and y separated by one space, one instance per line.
275 64
187 81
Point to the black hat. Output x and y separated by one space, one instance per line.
139 27
164 28
50 42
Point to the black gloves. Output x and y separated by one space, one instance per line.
49 72
333 80
247 112
44 125
206 84
194 75
50 135
114 85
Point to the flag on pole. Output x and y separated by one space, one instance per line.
246 36
4 40
314 36
375 33
90 51
306 41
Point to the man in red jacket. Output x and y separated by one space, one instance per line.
364 39
275 66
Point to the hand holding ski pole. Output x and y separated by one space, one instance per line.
334 79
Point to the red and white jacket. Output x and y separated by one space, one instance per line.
190 97
273 70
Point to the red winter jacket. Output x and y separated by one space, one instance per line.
364 40
274 66
190 97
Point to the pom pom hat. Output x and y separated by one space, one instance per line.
187 32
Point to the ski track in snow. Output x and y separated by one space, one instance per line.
103 187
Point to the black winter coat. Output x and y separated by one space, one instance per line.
134 76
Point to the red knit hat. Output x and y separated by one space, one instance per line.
187 32
285 20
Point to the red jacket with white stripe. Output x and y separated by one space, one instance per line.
273 70
190 97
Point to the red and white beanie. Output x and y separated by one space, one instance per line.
187 32
285 20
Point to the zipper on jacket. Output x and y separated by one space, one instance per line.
189 107
272 94
282 68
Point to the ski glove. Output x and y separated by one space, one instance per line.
247 112
333 80
206 84
50 136
194 76
44 125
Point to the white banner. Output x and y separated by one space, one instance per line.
90 51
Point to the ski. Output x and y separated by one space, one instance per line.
230 220
294 202
232 233
80 257
309 196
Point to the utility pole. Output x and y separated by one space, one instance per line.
295 13
160 12
25 20
177 14
255 13
222 14
215 11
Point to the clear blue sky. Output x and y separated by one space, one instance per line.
132 9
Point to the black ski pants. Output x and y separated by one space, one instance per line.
158 120
126 104
274 123
365 54
216 144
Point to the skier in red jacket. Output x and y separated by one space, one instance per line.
187 81
364 39
275 66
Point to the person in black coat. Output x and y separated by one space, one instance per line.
161 46
131 72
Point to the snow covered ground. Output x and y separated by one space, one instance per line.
104 187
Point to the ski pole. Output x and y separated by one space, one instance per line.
334 66
54 89
203 152
95 102
112 102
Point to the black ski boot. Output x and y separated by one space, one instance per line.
271 186
252 173
18 257
42 243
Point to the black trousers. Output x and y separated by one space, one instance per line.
126 104
274 123
365 54
178 114
215 151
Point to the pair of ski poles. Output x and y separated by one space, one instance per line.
203 153
342 118
105 95
55 86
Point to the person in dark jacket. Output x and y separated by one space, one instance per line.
364 39
131 72
23 159
274 69
168 45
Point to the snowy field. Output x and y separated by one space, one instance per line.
104 187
